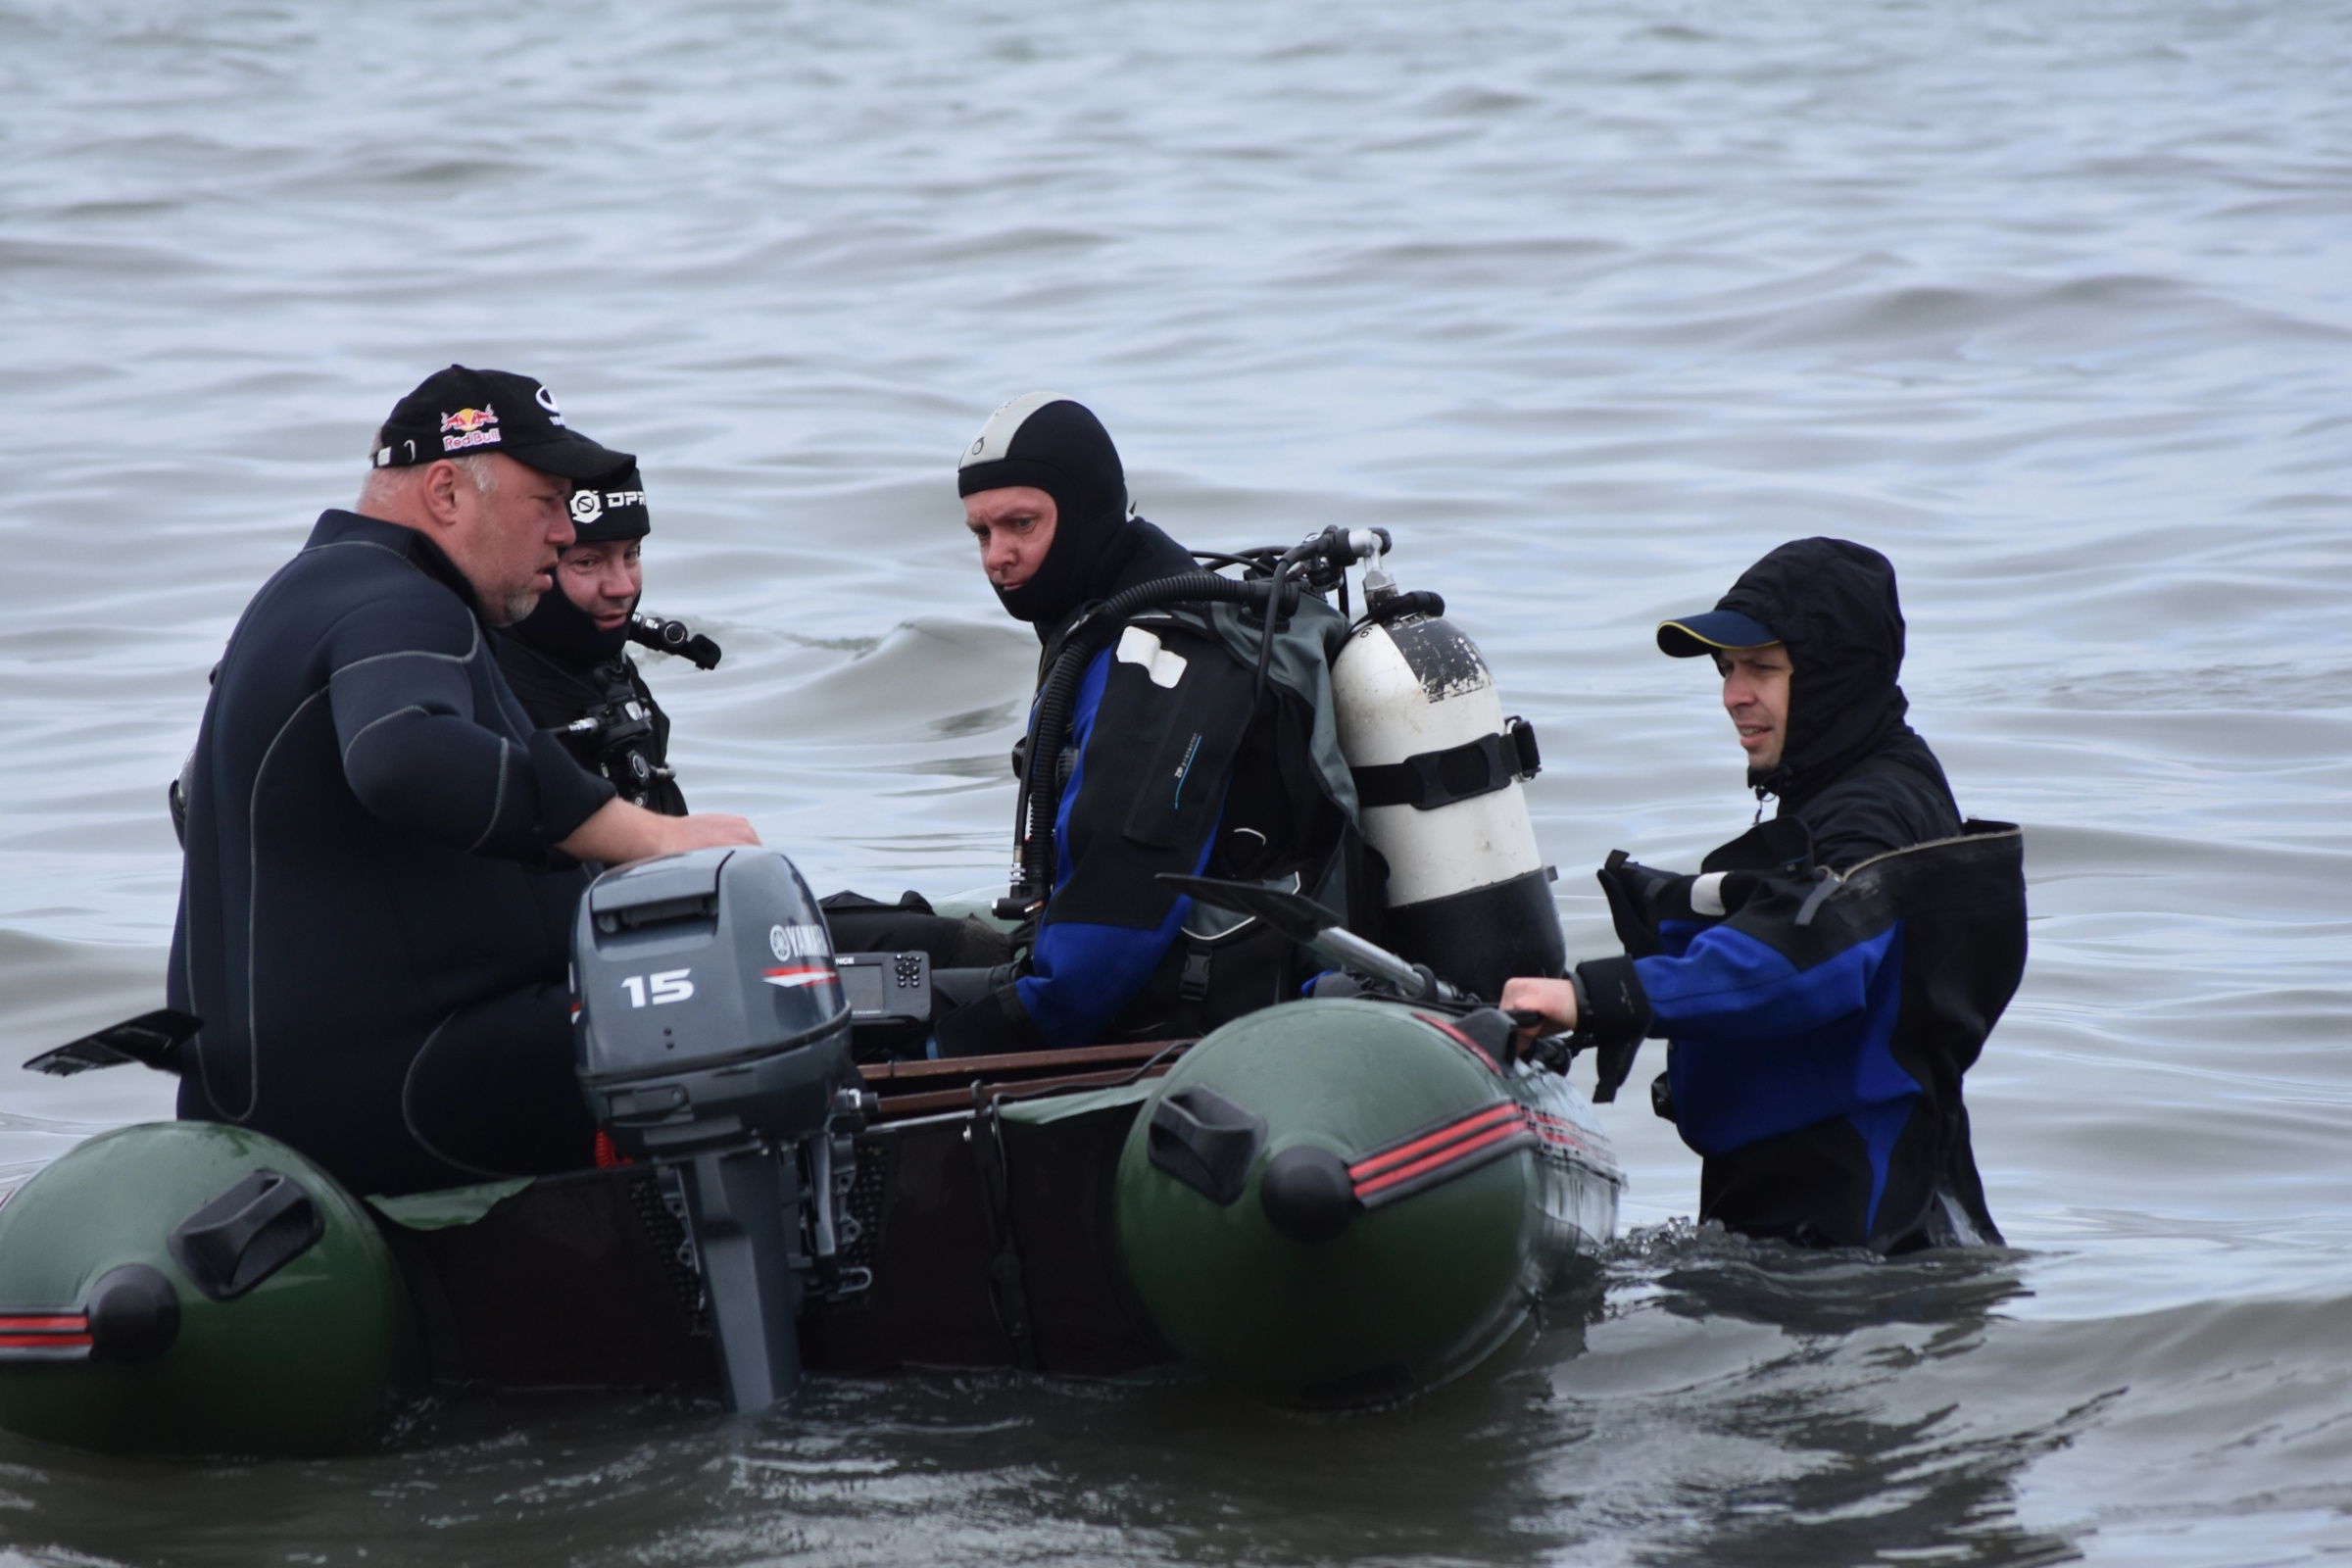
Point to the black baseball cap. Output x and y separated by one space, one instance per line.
611 509
1689 636
459 412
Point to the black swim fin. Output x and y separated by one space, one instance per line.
152 1039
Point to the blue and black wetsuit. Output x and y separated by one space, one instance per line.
1826 979
374 923
1177 764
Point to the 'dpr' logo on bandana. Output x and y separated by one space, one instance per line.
469 427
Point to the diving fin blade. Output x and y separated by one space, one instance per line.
152 1039
1293 914
1313 927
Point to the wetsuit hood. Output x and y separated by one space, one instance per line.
1832 604
1056 445
568 634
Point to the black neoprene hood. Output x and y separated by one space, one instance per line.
1056 445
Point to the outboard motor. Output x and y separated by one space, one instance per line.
1439 774
714 1038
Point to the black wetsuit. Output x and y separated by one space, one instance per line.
630 747
1819 1028
373 921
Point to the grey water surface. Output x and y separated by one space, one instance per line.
1591 304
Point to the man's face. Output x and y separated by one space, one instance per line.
506 541
603 579
1015 528
1755 692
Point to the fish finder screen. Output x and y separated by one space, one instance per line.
886 985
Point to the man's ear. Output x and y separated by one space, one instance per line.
438 490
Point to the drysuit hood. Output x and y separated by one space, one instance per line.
1056 445
1832 604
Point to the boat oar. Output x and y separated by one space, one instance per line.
1318 930
152 1039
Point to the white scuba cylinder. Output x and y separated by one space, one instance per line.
1441 775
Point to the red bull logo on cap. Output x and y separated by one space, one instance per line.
469 428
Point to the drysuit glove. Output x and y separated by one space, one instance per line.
1636 893
1612 1016
1643 899
993 1024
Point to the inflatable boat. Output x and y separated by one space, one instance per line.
1326 1203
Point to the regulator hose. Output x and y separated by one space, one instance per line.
1072 650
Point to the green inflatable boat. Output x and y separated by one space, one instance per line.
1329 1203
1337 1201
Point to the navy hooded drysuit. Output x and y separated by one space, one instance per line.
1176 763
1826 979
374 921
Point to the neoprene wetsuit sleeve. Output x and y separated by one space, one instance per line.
405 694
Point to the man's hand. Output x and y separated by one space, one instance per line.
1556 1000
619 833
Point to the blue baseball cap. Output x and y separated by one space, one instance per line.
1689 636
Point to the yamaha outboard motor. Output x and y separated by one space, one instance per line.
714 1038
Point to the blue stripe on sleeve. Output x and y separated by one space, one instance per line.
1082 729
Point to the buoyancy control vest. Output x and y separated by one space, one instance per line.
1154 748
1287 819
1819 1026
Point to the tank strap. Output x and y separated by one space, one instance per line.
1427 780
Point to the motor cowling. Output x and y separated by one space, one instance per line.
714 1038
1441 777
709 1007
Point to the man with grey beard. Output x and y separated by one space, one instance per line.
383 855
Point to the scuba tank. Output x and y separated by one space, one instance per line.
1439 776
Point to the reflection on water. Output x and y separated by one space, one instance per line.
1591 307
